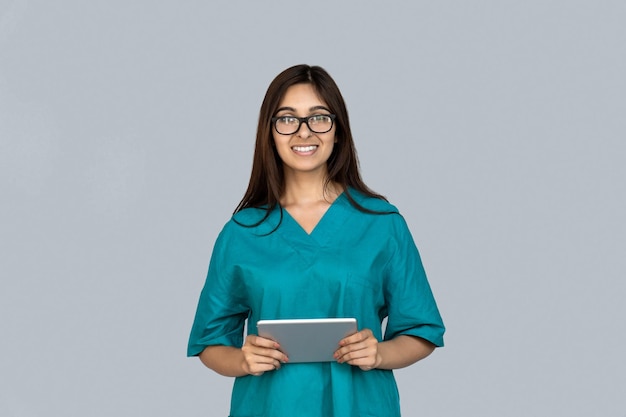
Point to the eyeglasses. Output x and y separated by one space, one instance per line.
318 123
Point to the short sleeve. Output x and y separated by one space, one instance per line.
412 309
221 312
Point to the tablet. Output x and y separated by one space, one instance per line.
308 340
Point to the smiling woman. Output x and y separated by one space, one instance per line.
310 240
304 134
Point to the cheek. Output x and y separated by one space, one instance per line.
281 148
334 134
332 140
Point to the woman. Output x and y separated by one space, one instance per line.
310 240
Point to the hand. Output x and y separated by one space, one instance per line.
261 355
359 349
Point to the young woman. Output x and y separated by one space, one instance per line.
310 240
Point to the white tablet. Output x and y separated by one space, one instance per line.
308 340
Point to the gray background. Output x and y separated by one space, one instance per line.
126 138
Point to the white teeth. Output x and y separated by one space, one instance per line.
304 148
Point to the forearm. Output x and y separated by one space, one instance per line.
402 351
225 360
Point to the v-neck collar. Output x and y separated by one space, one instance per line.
324 228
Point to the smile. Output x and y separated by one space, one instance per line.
309 148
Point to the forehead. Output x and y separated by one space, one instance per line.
301 96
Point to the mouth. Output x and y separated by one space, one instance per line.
305 149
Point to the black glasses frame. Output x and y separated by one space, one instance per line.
305 120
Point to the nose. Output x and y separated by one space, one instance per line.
303 131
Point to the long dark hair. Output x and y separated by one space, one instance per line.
267 181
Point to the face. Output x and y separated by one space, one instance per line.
304 151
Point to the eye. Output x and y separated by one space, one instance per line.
288 120
319 119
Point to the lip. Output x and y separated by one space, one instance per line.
304 149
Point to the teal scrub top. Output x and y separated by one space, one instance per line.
353 264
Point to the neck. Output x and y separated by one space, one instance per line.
302 188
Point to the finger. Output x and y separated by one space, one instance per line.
257 365
258 369
356 337
357 346
366 348
353 354
261 341
264 347
354 347
268 353
267 361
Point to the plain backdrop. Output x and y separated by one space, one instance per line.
126 136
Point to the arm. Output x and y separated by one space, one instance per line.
403 351
256 356
225 360
363 349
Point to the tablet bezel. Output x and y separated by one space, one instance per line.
308 340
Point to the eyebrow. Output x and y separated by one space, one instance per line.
311 109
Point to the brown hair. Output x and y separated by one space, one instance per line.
267 180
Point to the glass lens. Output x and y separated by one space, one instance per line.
320 123
287 125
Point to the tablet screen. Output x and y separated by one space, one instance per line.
308 340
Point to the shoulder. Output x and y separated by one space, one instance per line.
257 221
380 214
249 216
371 203
243 230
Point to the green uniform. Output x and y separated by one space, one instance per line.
353 264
